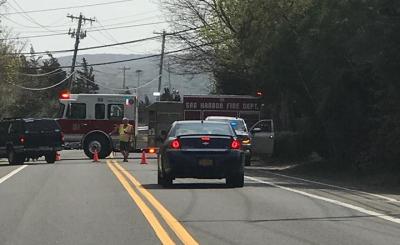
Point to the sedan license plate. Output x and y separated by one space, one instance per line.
205 162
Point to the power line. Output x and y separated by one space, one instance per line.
143 57
54 72
112 37
128 26
88 48
128 16
45 88
35 27
108 27
107 73
93 30
70 7
103 46
119 89
28 17
66 24
34 36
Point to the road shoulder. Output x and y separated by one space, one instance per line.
384 184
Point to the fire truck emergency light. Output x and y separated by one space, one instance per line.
65 95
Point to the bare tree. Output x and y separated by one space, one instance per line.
203 26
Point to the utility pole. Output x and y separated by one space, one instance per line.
138 73
161 60
124 69
78 35
169 75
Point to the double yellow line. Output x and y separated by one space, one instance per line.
130 186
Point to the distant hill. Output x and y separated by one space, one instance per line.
111 76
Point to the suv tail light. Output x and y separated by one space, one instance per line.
62 137
235 144
22 139
175 144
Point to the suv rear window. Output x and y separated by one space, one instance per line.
41 125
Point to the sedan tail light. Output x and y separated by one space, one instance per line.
235 144
62 137
175 144
22 139
205 138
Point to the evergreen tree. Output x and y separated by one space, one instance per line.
85 82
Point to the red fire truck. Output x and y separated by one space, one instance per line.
87 119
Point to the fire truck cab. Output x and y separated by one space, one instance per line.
87 120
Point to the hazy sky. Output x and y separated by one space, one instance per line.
126 13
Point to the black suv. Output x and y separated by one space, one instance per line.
30 138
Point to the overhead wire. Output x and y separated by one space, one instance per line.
104 45
120 89
37 27
66 23
88 48
111 36
93 30
28 17
34 36
54 72
127 16
70 7
143 57
108 27
107 73
45 88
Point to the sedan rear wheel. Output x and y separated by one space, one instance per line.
163 179
236 180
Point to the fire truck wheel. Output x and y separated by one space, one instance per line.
99 142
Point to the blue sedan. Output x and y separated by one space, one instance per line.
203 150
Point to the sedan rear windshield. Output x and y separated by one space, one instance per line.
237 125
41 125
203 128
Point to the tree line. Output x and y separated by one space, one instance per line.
329 70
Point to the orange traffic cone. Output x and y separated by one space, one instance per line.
58 156
95 156
143 159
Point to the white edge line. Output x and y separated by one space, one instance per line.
346 205
335 186
11 174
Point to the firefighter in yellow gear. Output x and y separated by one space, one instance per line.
125 132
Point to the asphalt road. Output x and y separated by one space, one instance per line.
76 201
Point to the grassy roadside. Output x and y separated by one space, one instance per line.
384 182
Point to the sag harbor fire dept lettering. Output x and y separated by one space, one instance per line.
220 106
